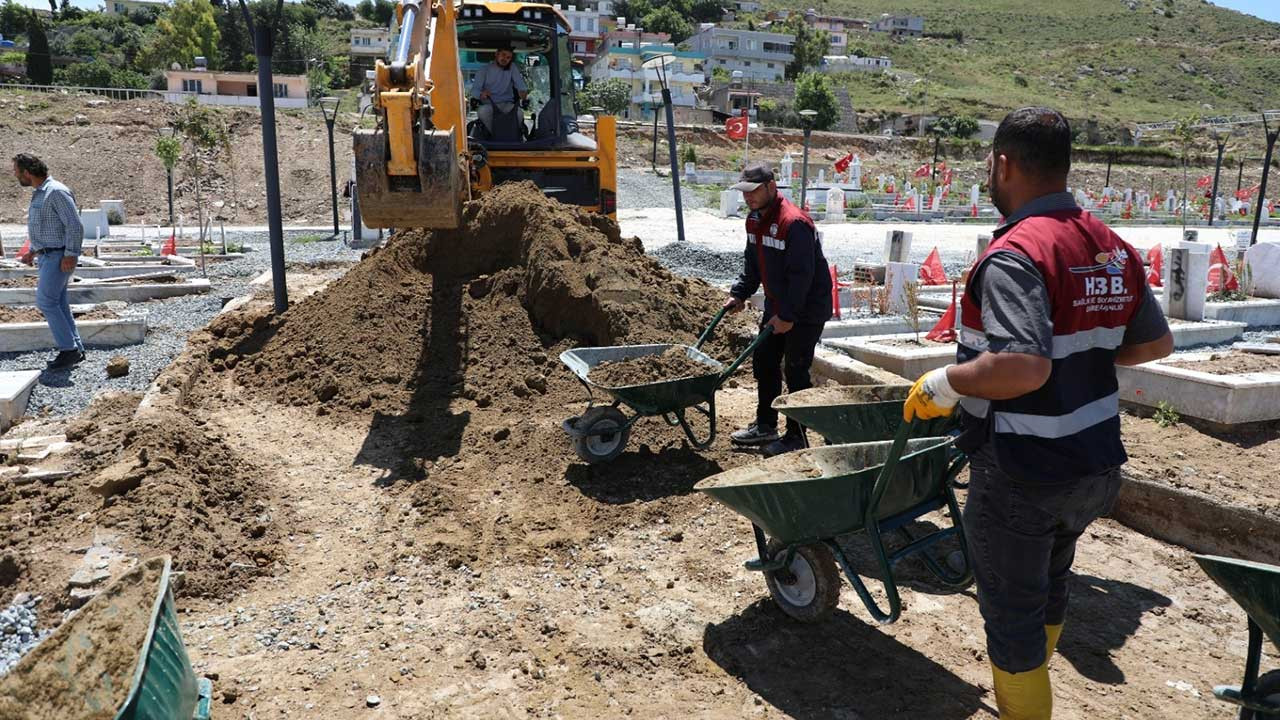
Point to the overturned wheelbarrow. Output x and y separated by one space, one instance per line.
1256 588
120 657
802 504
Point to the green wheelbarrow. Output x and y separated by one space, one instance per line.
844 414
91 671
600 433
1256 587
801 504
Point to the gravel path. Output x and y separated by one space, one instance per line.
643 189
18 631
169 323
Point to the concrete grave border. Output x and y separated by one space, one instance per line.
14 405
90 292
1224 400
26 337
907 363
1255 312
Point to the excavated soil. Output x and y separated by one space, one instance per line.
673 364
1231 363
30 315
160 483
475 313
84 670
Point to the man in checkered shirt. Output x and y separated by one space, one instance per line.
55 233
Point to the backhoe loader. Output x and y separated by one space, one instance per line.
423 160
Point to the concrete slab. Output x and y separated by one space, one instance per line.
907 362
15 391
109 292
838 368
1259 348
1255 312
25 337
859 327
1222 399
109 270
1206 332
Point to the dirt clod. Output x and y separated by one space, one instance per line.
672 364
117 366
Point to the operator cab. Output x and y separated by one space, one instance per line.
538 36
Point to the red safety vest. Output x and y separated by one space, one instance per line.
768 232
1070 427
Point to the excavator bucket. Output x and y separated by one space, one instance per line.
432 199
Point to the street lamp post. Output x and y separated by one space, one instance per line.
1220 135
806 116
167 132
329 108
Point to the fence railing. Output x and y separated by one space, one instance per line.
113 93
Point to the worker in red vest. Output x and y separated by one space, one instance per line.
1056 302
784 256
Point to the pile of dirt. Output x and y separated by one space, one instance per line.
673 364
472 313
162 482
1231 363
84 670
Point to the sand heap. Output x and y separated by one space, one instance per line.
478 313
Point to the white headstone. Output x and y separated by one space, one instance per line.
116 206
729 201
835 203
95 222
984 241
1170 202
822 176
1128 195
691 172
975 194
937 199
1186 281
1219 207
786 167
855 173
1263 260
897 246
897 277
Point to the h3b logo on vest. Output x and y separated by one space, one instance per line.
1110 284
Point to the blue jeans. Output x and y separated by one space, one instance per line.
51 298
1022 540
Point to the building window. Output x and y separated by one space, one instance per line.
579 47
119 8
193 86
770 66
747 63
280 90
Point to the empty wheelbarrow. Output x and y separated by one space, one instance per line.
600 433
1256 588
120 657
802 504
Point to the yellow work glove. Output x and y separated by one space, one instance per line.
931 397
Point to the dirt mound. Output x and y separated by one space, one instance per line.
85 669
673 364
472 313
162 483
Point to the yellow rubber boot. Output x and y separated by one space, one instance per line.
1024 695
1052 633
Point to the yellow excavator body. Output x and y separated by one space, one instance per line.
422 160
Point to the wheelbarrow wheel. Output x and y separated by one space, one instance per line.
602 434
809 589
1268 691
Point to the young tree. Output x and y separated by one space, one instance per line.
207 140
13 18
667 19
39 61
808 48
186 30
613 95
813 92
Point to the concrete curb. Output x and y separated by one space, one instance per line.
107 292
844 370
1196 521
25 337
170 389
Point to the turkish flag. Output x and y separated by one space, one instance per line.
945 330
932 272
1246 193
1220 275
843 163
26 247
1155 269
923 170
170 246
736 128
1204 181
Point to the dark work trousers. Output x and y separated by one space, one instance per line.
791 355
1022 539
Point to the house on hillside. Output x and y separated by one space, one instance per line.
232 88
584 31
367 45
640 69
124 7
730 99
759 55
837 28
899 26
839 63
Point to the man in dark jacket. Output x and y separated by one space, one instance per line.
784 256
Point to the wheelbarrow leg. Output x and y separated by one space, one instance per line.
890 585
1251 664
710 413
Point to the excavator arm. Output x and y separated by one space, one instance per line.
412 169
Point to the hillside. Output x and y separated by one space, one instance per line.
1118 61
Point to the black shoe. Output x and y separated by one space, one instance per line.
788 443
754 434
65 360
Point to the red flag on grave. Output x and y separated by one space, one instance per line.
843 163
1155 266
922 171
1205 181
170 246
1220 275
945 330
26 247
932 272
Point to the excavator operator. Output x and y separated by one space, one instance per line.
496 87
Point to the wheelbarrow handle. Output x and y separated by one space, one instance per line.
890 465
765 332
706 334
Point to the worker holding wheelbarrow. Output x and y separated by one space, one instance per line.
1056 302
784 256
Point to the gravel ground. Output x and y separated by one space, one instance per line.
169 323
643 189
18 631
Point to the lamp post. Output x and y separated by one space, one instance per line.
329 108
806 116
166 132
1220 135
660 68
1272 133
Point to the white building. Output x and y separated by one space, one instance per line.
899 25
370 42
584 31
759 55
839 63
122 7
